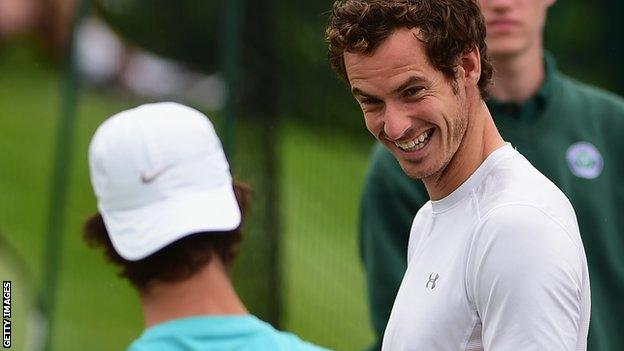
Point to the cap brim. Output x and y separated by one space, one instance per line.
139 232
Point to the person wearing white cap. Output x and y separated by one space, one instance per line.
170 217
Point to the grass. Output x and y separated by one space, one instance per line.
322 179
320 176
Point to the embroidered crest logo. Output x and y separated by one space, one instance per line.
584 160
432 281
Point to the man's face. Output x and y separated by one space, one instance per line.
514 26
412 108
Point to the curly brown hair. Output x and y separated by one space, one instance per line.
177 261
448 29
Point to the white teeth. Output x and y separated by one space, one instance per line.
416 144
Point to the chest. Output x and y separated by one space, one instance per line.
432 309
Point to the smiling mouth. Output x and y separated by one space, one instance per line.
416 143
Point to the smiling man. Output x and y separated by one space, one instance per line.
396 83
495 260
570 131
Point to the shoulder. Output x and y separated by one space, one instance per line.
521 221
521 241
598 101
517 239
289 342
516 187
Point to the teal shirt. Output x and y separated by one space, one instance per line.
574 134
218 333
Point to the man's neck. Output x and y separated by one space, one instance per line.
480 140
207 292
518 77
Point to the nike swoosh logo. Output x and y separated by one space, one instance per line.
147 178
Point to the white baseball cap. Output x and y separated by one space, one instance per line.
159 174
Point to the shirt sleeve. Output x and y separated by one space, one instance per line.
525 276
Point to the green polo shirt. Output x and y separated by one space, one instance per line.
574 134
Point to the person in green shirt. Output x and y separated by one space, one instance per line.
169 217
570 131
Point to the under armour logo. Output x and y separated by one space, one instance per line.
432 280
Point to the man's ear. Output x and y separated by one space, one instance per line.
470 64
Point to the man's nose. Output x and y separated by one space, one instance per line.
397 123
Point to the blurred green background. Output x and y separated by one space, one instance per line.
298 139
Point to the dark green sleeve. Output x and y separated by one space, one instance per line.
597 117
389 203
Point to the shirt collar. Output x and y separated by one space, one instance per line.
530 108
550 67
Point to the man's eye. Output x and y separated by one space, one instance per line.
411 92
370 101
